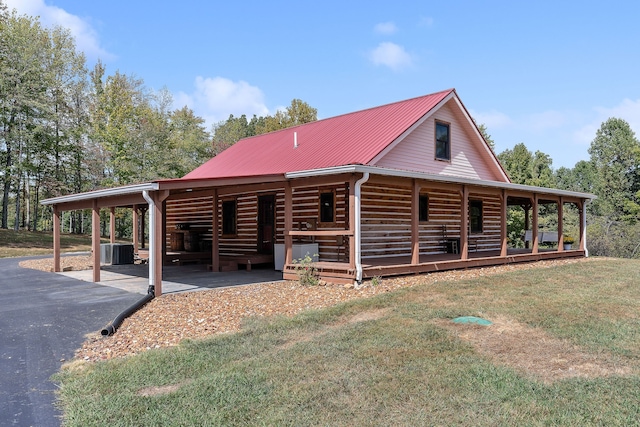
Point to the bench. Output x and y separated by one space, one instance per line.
183 257
543 236
233 262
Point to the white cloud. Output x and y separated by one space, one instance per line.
627 110
85 35
385 28
551 119
215 98
491 119
391 55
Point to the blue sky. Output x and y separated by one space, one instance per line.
546 73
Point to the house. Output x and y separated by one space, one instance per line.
408 187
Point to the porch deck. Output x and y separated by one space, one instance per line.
340 272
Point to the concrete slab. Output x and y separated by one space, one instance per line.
134 277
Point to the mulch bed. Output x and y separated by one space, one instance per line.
171 318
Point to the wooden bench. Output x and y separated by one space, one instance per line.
183 257
543 236
233 262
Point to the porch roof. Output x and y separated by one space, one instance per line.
373 170
120 195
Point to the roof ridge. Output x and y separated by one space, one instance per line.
353 112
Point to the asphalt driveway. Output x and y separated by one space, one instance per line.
43 319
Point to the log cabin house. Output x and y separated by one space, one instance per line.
404 188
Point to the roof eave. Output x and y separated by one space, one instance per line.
107 192
438 178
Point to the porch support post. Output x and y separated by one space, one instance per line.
288 224
56 238
352 222
464 224
534 225
415 223
136 230
112 224
560 224
526 222
95 240
215 250
143 226
503 224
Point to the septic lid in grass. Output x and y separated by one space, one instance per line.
472 319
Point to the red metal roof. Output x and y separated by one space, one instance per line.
354 138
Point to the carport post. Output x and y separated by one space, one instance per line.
135 228
56 238
95 240
112 224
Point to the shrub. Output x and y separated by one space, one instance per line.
306 271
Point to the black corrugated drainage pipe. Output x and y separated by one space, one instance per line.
111 328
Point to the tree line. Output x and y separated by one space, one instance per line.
67 129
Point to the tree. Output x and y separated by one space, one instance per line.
615 155
189 142
485 134
23 86
298 113
230 131
524 167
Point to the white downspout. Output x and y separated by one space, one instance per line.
584 227
358 228
152 238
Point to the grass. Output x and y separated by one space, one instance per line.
388 360
27 243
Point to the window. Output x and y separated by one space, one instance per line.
423 208
443 146
229 217
327 207
475 216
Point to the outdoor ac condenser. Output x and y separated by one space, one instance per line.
116 253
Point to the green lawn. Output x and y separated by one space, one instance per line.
26 243
393 360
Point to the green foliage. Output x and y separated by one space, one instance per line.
485 134
524 167
306 271
615 154
230 131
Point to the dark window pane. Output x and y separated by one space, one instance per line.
475 216
442 141
327 207
424 208
229 217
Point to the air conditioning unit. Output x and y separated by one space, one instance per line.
106 253
122 254
116 253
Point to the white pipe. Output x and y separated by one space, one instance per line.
152 238
358 228
295 140
584 227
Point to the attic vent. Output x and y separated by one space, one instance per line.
295 140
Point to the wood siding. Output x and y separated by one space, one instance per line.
417 151
386 221
306 208
198 214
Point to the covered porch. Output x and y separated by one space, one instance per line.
363 221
